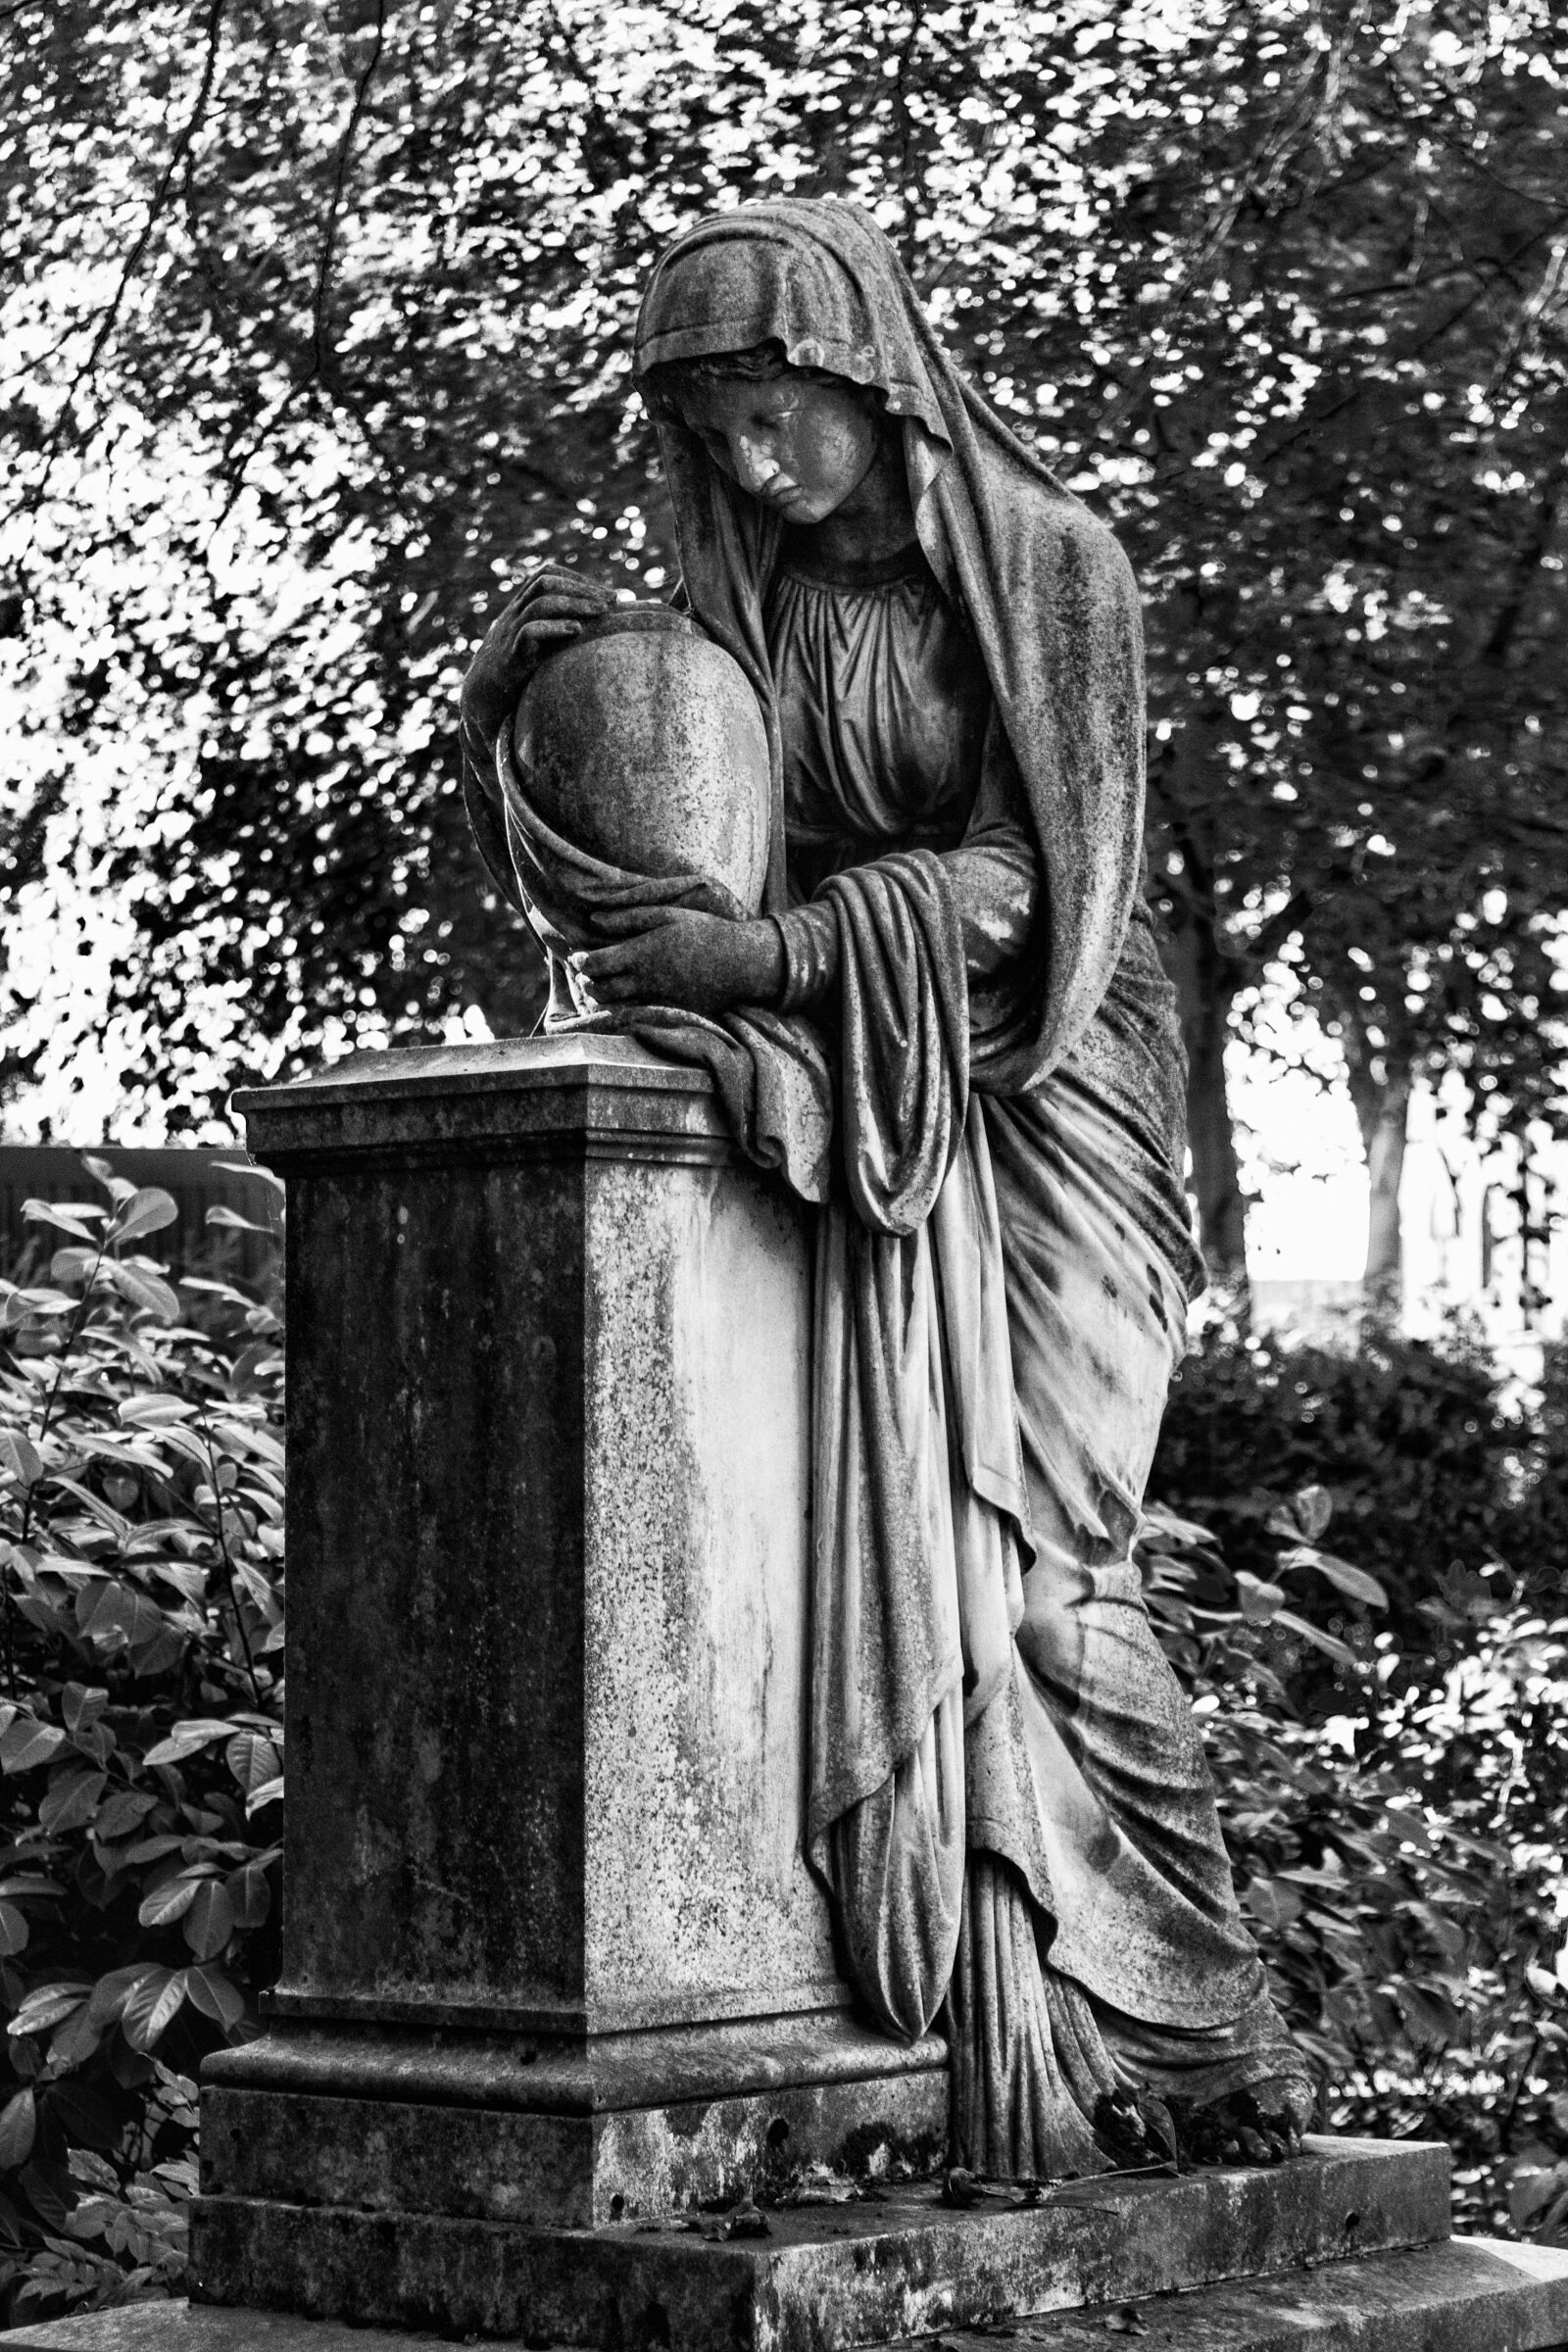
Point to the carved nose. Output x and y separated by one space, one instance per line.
755 467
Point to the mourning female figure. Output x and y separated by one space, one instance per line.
1008 1800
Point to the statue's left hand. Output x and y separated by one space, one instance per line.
672 955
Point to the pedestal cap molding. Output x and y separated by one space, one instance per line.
516 1099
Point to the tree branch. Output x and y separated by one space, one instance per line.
320 336
1277 930
133 259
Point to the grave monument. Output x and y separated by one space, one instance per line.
751 1879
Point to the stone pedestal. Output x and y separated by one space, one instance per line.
551 1955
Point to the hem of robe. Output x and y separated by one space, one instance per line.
1040 2067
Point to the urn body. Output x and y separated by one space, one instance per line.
642 743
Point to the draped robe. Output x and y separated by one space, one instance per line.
976 1072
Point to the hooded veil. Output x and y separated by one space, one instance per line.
1006 1795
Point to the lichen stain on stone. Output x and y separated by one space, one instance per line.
376 1854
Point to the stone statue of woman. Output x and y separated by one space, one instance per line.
1008 1802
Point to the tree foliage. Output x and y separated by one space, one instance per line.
325 310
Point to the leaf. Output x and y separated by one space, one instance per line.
1342 1574
1313 1507
261 1357
19 2128
250 1893
198 1732
155 1412
151 1849
95 1506
1330 1644
119 1617
1260 1602
13 1929
152 2008
254 1168
19 1455
71 1799
115 1186
125 1812
169 1901
77 1262
220 1214
146 1293
268 1793
1532 2187
40 1212
210 1921
252 1759
211 1992
111 1993
26 1742
45 2007
146 1211
50 2192
76 2038
81 1706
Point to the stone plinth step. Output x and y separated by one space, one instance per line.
1474 2294
824 2278
1470 2295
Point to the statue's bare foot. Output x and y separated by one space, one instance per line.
1260 2126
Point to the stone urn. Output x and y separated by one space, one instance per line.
642 743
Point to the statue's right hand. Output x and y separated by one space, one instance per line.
549 610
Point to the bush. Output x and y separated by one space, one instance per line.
1394 1800
140 1738
1448 1497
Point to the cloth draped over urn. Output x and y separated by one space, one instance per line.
928 774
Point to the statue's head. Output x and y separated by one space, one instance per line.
799 440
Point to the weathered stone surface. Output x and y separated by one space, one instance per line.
1471 2295
632 2125
643 743
828 2277
520 1099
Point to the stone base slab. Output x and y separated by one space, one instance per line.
825 2277
1470 2295
1474 2294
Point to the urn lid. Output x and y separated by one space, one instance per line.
620 620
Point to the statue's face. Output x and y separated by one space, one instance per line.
792 442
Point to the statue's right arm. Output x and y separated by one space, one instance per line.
547 610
